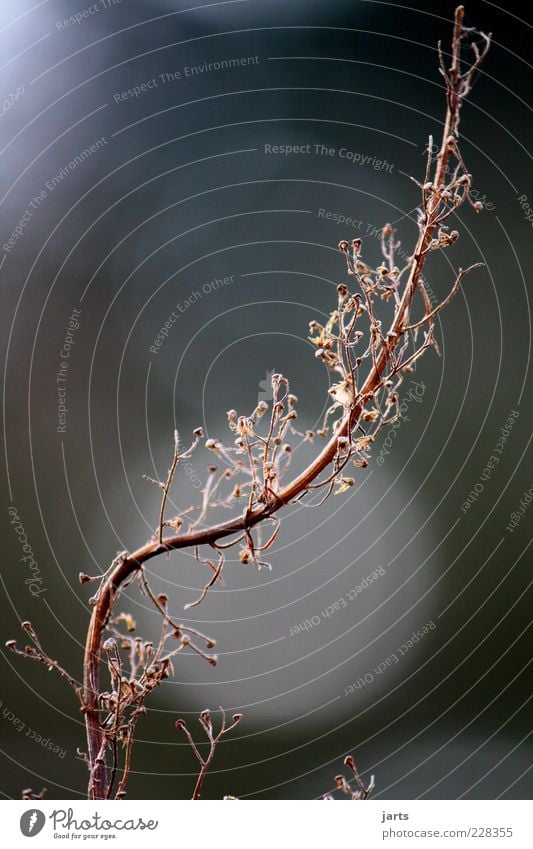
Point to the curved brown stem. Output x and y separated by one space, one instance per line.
125 568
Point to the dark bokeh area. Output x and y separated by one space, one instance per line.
138 178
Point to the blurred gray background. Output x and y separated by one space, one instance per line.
178 193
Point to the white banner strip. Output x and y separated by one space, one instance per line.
256 824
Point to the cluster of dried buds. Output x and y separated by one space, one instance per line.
357 791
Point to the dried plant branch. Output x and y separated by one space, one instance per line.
369 362
214 739
216 575
360 792
29 793
39 654
168 484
